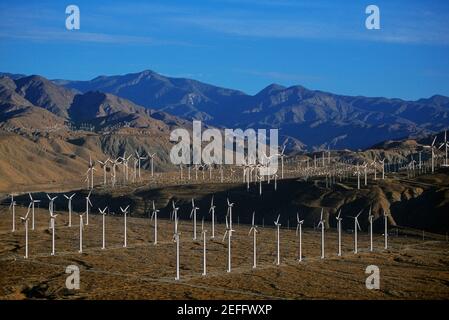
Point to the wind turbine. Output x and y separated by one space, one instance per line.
52 227
370 219
104 166
386 229
103 213
228 233
432 148
125 212
358 173
254 231
445 144
154 215
51 203
299 233
32 211
25 220
193 214
212 212
230 206
321 223
176 239
203 232
70 207
88 203
383 168
356 226
365 169
91 170
139 157
278 255
12 206
152 163
282 155
339 231
81 231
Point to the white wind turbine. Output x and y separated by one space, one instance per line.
299 234
70 207
25 220
103 213
432 148
370 219
152 163
176 239
51 203
339 231
365 169
386 229
230 206
356 227
91 171
154 213
125 213
104 166
383 168
203 232
228 233
52 227
282 155
445 144
254 231
193 214
12 207
321 223
81 232
358 173
32 210
139 157
88 204
212 212
278 251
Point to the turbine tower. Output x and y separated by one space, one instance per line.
339 231
278 253
32 210
70 207
176 239
386 215
254 231
212 212
321 223
228 233
193 214
52 227
203 232
25 220
299 234
125 212
154 215
12 207
88 203
81 232
103 213
370 219
356 227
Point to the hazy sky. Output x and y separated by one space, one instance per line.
241 44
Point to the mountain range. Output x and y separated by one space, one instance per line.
307 119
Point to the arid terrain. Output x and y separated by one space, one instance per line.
412 267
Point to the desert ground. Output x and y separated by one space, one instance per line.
411 268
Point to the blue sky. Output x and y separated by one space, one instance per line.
241 44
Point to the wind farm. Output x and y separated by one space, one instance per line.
281 151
